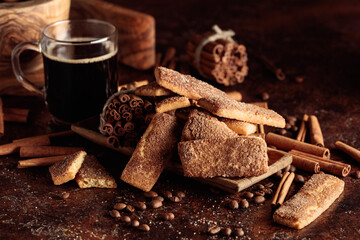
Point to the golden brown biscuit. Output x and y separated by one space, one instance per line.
152 89
239 127
232 157
317 194
172 103
93 174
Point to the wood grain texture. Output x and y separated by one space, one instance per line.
136 30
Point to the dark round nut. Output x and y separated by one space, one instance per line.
244 203
150 194
260 187
248 195
126 219
171 216
156 203
65 195
279 174
292 168
287 168
282 131
269 185
259 199
299 79
233 204
291 119
168 216
268 191
160 198
239 232
144 227
265 96
214 230
357 174
130 209
295 128
168 194
135 223
175 199
288 126
180 194
260 193
120 206
299 178
114 214
140 205
226 231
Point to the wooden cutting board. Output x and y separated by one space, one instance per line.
277 159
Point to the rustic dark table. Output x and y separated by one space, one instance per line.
317 40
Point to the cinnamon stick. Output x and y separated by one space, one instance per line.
113 141
19 111
277 193
127 116
328 165
47 151
315 131
124 98
2 129
172 63
274 69
15 146
124 108
288 144
118 129
351 151
108 128
285 188
303 163
169 54
129 127
11 117
158 59
37 162
302 130
148 106
45 136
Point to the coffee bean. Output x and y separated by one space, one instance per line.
248 195
295 128
214 230
357 174
155 203
180 194
278 174
233 204
268 191
144 227
244 203
282 131
114 214
260 186
260 193
130 208
239 232
288 126
168 216
65 195
126 219
292 168
135 223
321 172
269 185
299 178
265 96
299 79
150 194
120 206
175 199
291 119
140 205
287 168
259 199
226 231
167 194
160 198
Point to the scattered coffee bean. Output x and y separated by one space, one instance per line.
175 199
140 205
180 194
260 193
65 195
357 174
291 119
259 199
214 230
278 174
226 231
156 203
135 223
282 131
265 96
268 191
233 204
144 227
321 172
292 168
248 195
295 128
120 206
168 216
269 185
244 203
167 194
126 219
130 209
160 198
288 126
150 194
114 214
239 232
287 168
299 79
299 178
260 186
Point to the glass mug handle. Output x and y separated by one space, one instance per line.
15 61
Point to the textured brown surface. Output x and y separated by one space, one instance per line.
152 89
318 40
172 103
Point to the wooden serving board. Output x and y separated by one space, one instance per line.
277 159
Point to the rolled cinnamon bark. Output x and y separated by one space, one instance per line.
15 146
124 108
288 144
108 128
305 163
148 106
278 190
113 141
2 129
118 129
169 55
302 130
315 131
129 127
353 152
37 162
135 101
45 136
12 117
19 111
124 98
47 151
285 188
127 116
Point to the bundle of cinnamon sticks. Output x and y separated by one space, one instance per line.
221 60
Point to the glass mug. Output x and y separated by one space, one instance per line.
80 66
